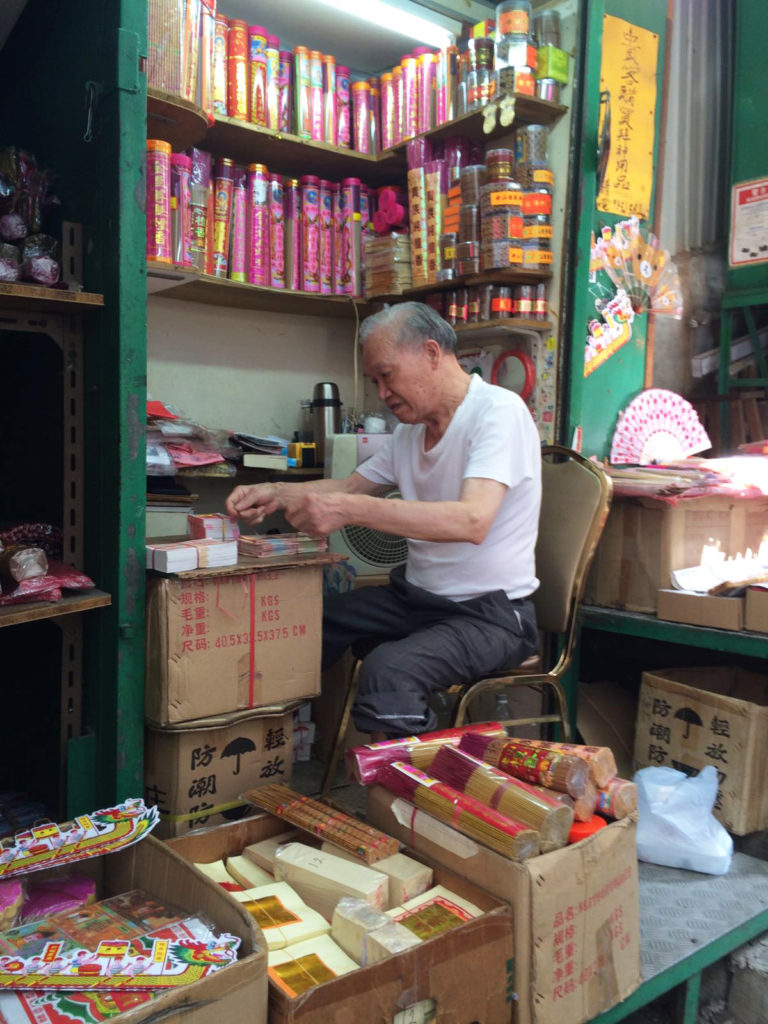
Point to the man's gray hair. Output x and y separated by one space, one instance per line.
409 324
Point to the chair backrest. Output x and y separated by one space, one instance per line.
575 499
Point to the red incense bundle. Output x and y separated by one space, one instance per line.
363 763
602 763
535 808
521 760
617 798
506 836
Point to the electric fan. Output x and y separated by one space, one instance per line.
657 426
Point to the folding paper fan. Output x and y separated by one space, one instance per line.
637 263
657 426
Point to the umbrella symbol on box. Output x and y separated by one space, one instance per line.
242 745
689 716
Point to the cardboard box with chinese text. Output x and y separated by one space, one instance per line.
460 976
577 943
223 640
645 539
196 774
689 717
756 609
701 609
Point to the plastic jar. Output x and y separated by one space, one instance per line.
469 223
513 24
546 28
472 178
448 242
501 302
540 302
531 141
500 164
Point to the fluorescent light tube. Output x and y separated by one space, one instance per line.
384 15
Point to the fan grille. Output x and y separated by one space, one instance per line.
374 546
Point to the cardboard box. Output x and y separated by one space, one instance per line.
689 717
457 977
237 993
577 943
645 539
196 774
218 641
756 609
701 609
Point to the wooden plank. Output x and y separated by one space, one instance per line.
12 615
174 120
246 566
53 300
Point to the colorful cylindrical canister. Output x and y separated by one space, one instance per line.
292 233
374 118
343 108
259 269
238 258
276 232
339 213
410 107
387 110
222 215
316 93
201 224
272 53
284 91
158 200
303 92
190 50
426 77
351 237
310 233
237 69
397 86
329 98
326 237
219 73
361 116
257 68
205 77
181 227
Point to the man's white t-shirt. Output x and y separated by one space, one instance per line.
491 435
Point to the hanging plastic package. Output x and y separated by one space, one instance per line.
677 828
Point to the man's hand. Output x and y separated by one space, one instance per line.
253 503
315 514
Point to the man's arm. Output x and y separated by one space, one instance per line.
468 519
252 503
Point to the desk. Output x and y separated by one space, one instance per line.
688 921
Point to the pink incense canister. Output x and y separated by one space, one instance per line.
158 200
316 94
257 67
181 220
326 237
343 110
276 232
238 265
330 126
259 270
284 91
292 233
310 233
222 214
272 53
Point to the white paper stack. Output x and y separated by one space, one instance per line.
263 853
309 963
212 526
387 941
353 919
218 873
322 879
180 556
248 874
434 912
407 877
281 914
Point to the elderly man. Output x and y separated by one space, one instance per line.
466 459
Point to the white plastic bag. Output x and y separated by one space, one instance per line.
676 826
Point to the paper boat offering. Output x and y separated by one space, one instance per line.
50 845
119 964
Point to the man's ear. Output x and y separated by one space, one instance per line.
433 350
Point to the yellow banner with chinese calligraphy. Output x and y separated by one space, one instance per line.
628 72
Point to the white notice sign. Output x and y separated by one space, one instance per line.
749 223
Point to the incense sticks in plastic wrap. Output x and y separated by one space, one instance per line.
602 763
367 843
363 763
617 798
506 836
494 788
521 760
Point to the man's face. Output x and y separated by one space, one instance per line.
403 376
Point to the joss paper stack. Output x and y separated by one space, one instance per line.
387 264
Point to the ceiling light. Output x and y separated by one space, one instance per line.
393 19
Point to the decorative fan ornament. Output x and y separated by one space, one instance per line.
657 426
637 263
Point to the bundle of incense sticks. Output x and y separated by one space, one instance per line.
496 789
365 842
363 763
602 763
583 806
563 772
617 798
506 836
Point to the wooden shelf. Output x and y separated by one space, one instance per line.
174 120
48 300
177 283
485 329
501 276
83 601
250 143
